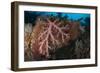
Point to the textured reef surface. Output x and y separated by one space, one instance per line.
54 36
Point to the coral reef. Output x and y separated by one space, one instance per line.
53 38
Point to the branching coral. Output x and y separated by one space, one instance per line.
53 36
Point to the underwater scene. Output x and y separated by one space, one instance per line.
56 36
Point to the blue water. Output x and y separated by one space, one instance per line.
76 16
30 16
73 16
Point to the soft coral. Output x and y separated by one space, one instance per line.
52 37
